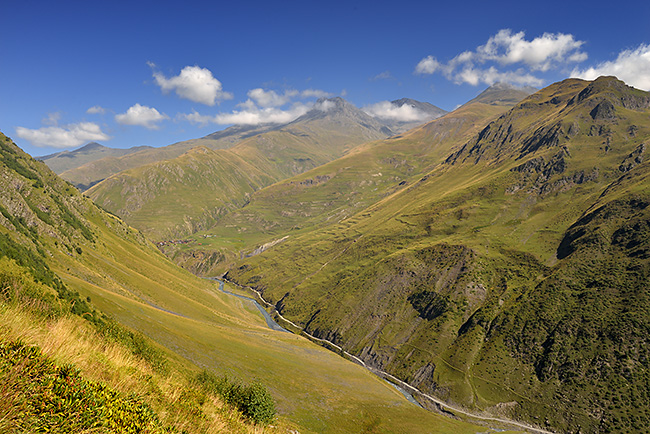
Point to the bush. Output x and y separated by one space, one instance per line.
45 397
254 401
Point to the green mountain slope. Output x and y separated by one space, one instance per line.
175 198
337 190
84 174
60 238
63 161
512 279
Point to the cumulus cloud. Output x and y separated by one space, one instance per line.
491 75
196 118
539 54
268 115
388 110
67 136
631 66
270 98
508 50
428 65
263 106
250 116
96 110
194 83
143 116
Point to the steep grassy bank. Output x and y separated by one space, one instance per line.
63 372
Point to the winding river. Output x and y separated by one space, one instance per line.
398 384
270 322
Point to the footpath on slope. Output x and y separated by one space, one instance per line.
443 406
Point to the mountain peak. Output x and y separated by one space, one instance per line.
503 94
329 107
616 90
89 147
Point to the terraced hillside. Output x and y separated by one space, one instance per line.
512 278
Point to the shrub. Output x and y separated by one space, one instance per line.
254 401
44 397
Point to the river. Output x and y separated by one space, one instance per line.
270 322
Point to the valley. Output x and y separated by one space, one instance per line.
492 261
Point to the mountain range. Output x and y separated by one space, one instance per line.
494 259
90 164
510 277
177 197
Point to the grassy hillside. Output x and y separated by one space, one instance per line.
65 160
337 190
89 264
85 169
511 279
175 198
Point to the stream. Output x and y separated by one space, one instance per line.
270 322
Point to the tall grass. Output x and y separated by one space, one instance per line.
59 373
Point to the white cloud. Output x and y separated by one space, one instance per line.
52 119
194 83
491 75
315 93
631 66
250 115
324 105
386 75
267 115
143 116
270 98
428 65
196 118
493 61
96 110
540 54
68 136
388 110
263 106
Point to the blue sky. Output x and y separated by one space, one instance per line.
154 73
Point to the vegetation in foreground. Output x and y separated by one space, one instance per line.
61 373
